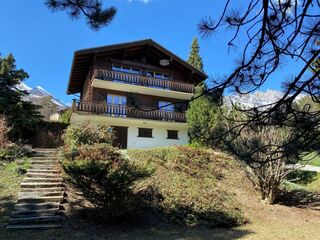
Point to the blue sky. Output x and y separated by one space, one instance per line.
43 42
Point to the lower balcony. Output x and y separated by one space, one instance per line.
127 111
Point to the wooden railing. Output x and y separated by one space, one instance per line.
139 80
116 110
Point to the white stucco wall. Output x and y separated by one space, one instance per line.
159 132
159 138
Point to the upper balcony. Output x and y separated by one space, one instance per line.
126 82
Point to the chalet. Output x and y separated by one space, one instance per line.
138 88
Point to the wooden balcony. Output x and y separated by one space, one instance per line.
138 80
123 111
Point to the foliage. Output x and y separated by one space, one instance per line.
194 58
187 186
92 10
79 134
48 135
265 161
302 177
22 116
4 130
15 151
65 116
202 118
270 35
105 178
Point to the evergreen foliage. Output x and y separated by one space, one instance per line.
21 115
194 58
202 118
65 116
92 10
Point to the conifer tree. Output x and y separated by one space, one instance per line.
194 58
21 115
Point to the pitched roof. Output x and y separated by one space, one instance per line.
82 60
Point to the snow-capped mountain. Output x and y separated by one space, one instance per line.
256 99
37 93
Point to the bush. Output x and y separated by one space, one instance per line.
80 134
15 151
105 178
48 135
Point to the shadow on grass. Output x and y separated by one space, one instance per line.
147 223
151 221
6 207
300 198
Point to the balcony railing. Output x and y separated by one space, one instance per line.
116 110
139 80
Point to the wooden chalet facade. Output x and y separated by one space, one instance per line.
138 88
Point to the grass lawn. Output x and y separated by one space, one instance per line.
10 179
312 159
266 222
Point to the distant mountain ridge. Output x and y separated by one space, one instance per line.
256 99
37 93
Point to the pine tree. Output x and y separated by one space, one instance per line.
194 58
22 115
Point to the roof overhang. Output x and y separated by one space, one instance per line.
83 59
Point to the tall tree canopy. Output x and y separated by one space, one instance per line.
270 34
92 10
194 57
22 115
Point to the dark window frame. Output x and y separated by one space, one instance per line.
144 132
175 135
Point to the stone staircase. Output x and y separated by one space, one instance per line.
41 194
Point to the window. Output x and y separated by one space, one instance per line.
158 75
116 105
125 69
172 134
116 99
145 132
166 106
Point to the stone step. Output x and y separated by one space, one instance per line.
46 149
34 220
40 185
40 179
43 167
36 161
41 212
36 226
40 155
43 175
48 156
43 171
39 190
36 206
25 199
40 194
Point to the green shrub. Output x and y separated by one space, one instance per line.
105 178
80 134
15 151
